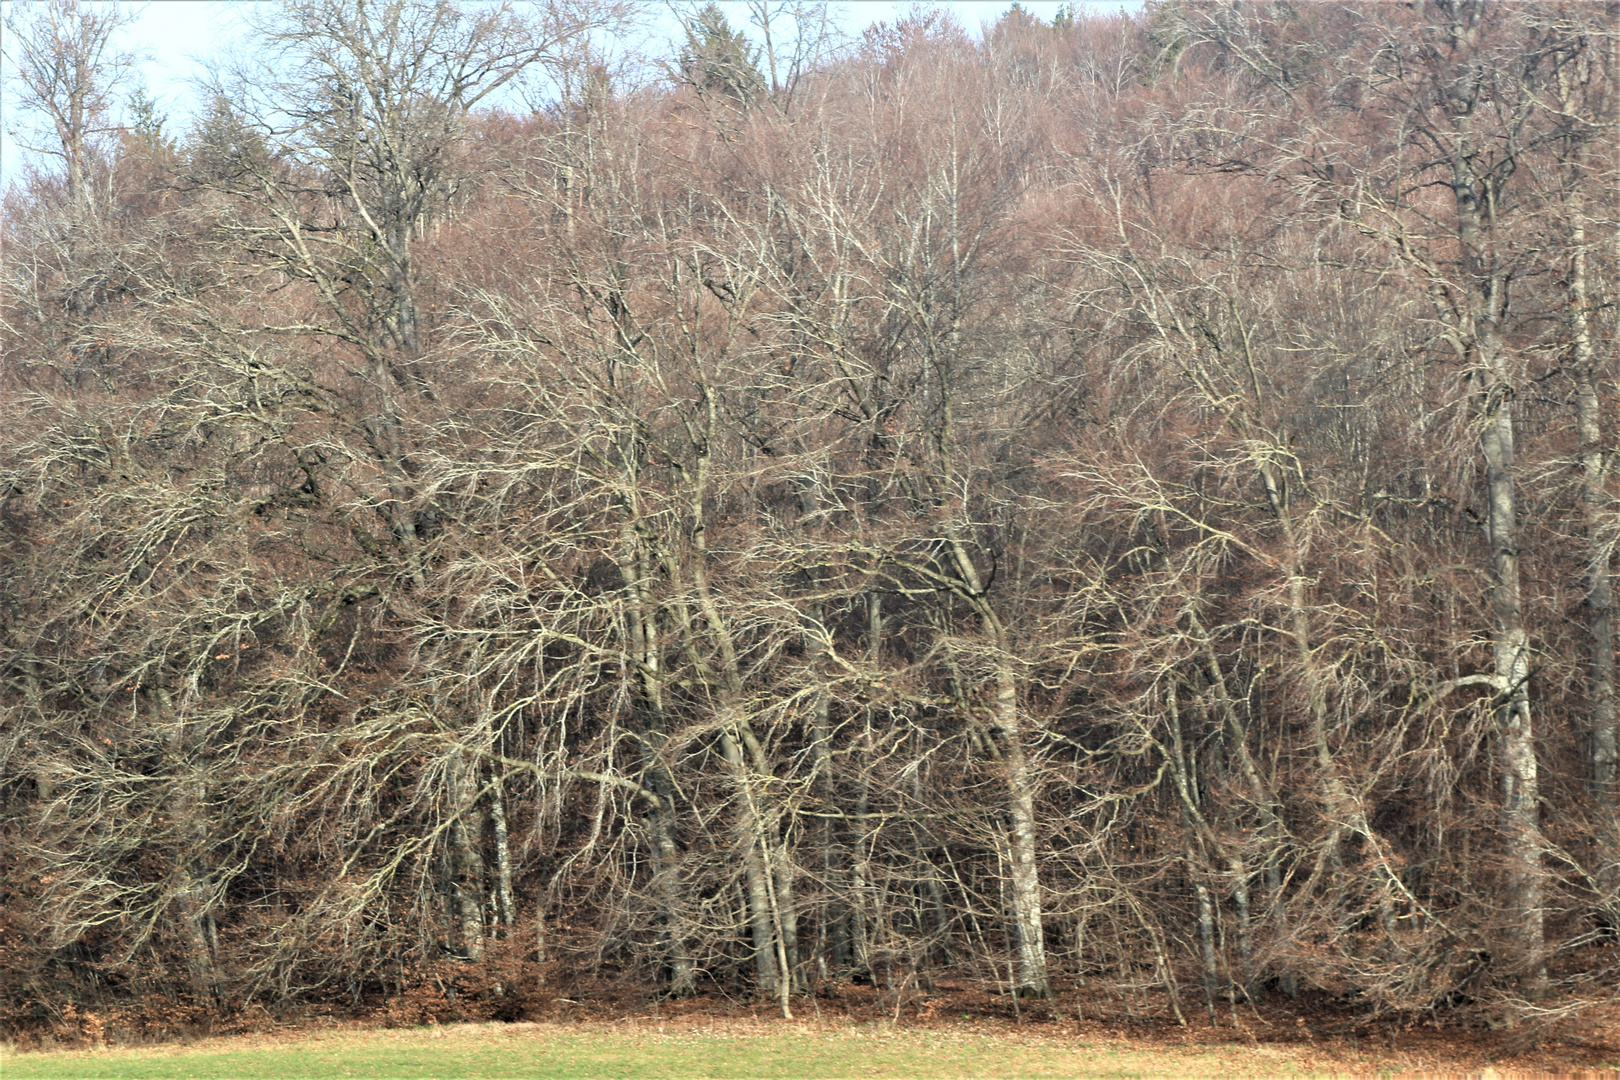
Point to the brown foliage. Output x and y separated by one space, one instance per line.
1100 505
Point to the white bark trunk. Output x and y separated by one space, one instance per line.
1594 499
504 904
1028 922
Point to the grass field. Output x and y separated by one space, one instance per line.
655 1050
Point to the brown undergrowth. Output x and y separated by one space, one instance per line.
1332 1032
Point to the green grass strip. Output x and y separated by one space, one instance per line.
496 1052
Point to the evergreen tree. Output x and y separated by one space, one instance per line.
719 59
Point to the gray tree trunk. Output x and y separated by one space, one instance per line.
466 859
1599 580
645 651
504 904
1023 843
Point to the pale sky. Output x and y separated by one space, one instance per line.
177 38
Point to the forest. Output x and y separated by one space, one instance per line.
1116 510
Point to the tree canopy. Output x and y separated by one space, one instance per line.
1122 506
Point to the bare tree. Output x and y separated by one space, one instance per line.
68 70
1582 74
1094 509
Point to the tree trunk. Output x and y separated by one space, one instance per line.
1599 581
1517 756
645 651
1487 289
504 904
1264 800
466 861
667 883
770 968
1029 931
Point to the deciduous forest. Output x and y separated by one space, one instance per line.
1119 510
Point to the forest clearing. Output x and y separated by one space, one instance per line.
1103 519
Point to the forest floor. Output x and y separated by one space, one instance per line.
855 1035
